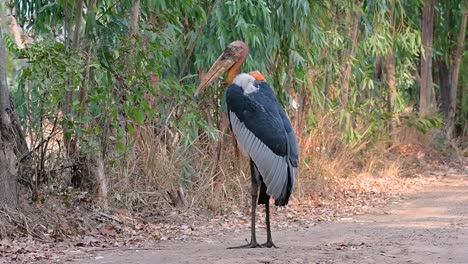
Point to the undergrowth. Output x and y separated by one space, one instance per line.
153 175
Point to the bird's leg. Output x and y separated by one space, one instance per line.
253 239
269 242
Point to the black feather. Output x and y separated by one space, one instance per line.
262 115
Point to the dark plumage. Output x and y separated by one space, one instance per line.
261 113
261 129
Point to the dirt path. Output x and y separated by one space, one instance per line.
428 227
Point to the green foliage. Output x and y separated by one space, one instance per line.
149 79
426 124
48 72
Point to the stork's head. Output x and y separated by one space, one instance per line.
230 61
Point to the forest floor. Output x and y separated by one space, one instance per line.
419 216
429 225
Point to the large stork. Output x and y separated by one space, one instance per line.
261 128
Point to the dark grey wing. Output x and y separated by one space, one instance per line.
257 123
293 146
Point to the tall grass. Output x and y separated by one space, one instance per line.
328 167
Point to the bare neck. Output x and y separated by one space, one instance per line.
235 69
232 73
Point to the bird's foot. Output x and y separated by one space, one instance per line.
269 244
252 244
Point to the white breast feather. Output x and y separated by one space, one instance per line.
246 82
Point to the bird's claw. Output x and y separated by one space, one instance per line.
269 244
249 245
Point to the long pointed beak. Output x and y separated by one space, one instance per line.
221 65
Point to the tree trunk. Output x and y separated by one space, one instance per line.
450 122
94 162
426 64
346 70
15 29
444 83
391 83
390 62
329 74
21 146
377 73
25 172
70 145
377 76
97 168
133 32
135 18
8 170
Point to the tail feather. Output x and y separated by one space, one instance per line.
287 189
283 200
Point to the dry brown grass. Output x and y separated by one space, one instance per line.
140 177
328 169
153 170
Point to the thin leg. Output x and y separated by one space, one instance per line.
269 242
253 239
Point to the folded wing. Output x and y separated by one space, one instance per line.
265 134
